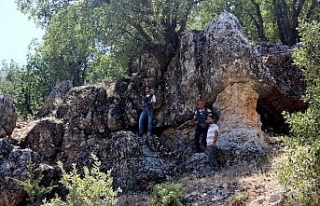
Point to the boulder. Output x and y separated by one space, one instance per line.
45 138
85 120
8 115
14 165
54 99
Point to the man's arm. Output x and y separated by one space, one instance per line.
215 138
153 99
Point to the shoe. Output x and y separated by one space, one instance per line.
148 134
140 135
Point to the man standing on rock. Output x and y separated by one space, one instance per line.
148 102
200 120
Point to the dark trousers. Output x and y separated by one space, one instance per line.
212 156
200 132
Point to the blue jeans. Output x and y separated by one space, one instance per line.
146 113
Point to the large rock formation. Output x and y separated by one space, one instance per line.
218 64
221 66
8 116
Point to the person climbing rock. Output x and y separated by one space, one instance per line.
200 119
212 138
148 102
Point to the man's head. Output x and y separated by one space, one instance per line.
147 89
212 119
201 104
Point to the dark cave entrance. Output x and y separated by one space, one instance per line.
273 122
270 107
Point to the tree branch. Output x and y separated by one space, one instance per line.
299 8
311 8
141 32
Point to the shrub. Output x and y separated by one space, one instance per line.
167 195
32 185
94 188
301 172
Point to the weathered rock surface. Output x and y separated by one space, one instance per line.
14 164
8 115
45 138
54 99
240 122
240 79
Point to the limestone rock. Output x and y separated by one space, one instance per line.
240 123
45 138
137 162
13 164
8 115
86 110
54 99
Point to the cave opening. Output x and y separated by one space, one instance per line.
273 122
270 108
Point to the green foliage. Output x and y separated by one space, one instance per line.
21 83
301 172
263 20
167 195
94 188
32 185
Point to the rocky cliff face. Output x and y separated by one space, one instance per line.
249 85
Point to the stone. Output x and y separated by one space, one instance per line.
275 198
239 122
54 99
8 115
45 138
14 165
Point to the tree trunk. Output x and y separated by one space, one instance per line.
77 73
287 22
258 21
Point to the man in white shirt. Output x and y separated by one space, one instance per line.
212 138
148 102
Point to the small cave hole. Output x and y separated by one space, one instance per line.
273 122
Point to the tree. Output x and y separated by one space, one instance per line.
136 26
270 20
287 14
21 84
301 171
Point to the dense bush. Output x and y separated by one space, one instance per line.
33 185
94 188
167 195
90 189
301 172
